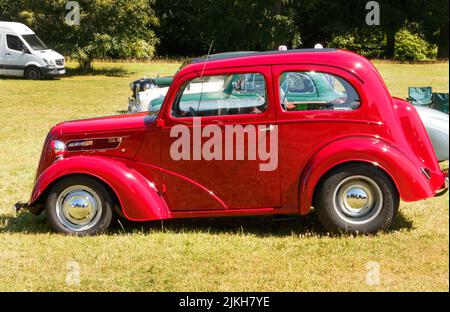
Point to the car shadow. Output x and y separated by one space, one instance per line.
109 72
261 226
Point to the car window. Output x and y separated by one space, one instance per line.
222 95
14 42
316 91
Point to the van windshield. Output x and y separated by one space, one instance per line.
35 42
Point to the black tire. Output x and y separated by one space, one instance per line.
33 73
356 199
67 189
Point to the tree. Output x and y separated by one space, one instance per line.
108 28
189 26
435 19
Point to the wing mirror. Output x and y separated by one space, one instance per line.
25 50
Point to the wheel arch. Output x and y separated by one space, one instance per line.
410 183
39 203
342 165
137 196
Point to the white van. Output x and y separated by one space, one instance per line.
23 54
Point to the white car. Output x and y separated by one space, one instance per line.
23 54
437 124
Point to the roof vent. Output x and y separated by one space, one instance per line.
318 46
282 48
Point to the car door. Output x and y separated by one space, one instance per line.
15 58
309 120
2 56
234 172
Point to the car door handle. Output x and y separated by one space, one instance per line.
8 54
267 129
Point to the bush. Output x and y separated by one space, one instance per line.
411 47
408 46
370 45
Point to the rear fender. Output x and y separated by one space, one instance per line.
138 196
410 182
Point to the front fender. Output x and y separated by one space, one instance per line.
411 183
138 196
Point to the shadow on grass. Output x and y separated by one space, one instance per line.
74 72
262 226
109 72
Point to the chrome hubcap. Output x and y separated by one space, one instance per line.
78 208
358 199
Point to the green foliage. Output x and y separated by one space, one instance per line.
108 28
370 45
408 46
411 47
188 27
134 29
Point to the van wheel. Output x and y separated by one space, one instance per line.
356 199
79 205
33 73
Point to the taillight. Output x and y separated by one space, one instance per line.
93 144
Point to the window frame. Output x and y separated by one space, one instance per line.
302 72
225 72
303 75
18 37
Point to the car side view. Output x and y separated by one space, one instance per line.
243 134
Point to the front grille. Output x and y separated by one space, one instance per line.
59 62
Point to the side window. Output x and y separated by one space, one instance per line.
14 42
316 91
222 95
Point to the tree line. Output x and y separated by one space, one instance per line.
408 29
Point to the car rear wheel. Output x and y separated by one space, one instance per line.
356 199
79 205
33 73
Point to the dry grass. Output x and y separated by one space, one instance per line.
197 255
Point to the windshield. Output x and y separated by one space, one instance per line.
35 42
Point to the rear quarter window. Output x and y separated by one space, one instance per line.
303 91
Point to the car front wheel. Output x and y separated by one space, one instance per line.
79 205
33 73
356 199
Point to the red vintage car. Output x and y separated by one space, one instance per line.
248 133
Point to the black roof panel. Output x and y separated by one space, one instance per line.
232 55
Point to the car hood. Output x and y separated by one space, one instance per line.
433 119
48 54
109 124
430 115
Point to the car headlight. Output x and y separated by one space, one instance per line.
58 148
50 62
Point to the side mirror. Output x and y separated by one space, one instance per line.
25 50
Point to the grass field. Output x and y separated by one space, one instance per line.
243 254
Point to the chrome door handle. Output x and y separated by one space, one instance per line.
268 129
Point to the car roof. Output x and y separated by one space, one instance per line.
240 54
17 28
349 61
